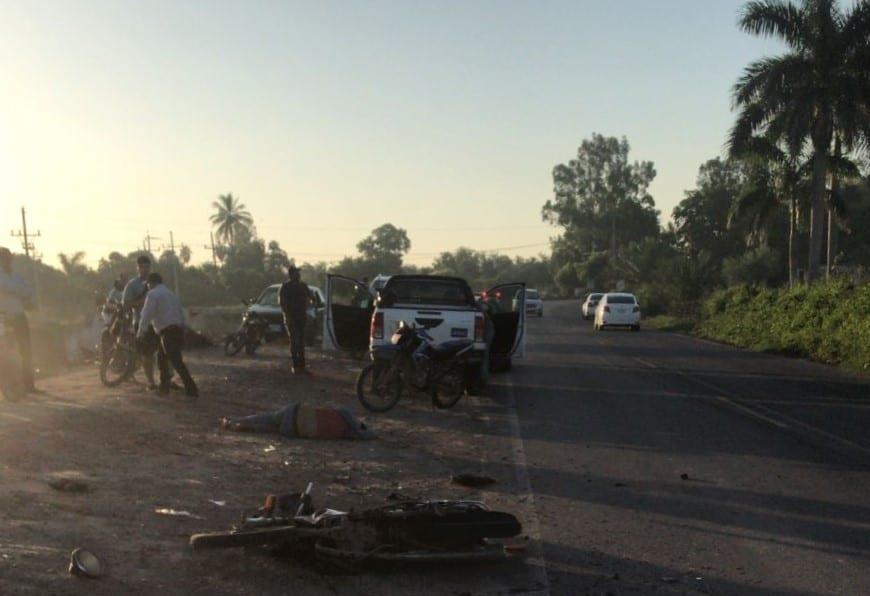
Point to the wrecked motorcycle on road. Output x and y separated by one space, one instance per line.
402 532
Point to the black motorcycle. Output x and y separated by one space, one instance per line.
119 356
250 335
404 532
412 361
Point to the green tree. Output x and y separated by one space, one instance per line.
277 260
701 218
601 199
817 89
231 219
385 243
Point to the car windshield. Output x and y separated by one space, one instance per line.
595 296
269 297
620 300
431 291
532 294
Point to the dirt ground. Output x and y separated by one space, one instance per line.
137 452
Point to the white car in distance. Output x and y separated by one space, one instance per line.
588 307
617 310
534 303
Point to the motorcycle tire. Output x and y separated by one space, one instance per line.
118 365
388 395
233 345
448 389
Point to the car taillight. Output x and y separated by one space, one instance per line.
635 309
479 328
606 308
377 331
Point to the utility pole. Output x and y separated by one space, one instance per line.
29 250
22 233
147 241
175 260
213 250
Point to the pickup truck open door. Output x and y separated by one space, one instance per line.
506 305
347 320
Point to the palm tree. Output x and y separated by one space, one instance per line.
231 218
72 264
777 178
818 88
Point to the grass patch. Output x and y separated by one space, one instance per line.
670 323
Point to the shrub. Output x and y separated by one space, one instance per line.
826 321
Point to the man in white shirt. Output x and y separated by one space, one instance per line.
163 312
14 294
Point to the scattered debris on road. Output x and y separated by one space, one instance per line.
176 513
69 485
83 563
473 480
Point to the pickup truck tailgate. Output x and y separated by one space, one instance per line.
442 324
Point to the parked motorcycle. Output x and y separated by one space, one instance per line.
412 361
404 532
250 335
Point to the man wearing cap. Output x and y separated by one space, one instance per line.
14 294
162 313
295 298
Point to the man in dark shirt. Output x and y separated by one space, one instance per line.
295 298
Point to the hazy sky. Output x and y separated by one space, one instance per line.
330 118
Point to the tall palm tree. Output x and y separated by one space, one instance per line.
818 88
231 218
778 177
72 264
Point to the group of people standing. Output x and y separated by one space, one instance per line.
158 318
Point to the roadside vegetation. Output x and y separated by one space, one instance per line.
827 322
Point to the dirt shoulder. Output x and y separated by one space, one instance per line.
137 452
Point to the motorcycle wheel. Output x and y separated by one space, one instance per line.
233 344
379 387
448 389
118 365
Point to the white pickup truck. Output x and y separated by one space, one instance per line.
357 319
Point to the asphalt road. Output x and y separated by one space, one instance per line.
658 463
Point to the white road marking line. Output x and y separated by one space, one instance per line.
729 398
645 363
521 472
737 402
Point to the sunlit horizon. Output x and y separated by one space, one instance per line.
329 120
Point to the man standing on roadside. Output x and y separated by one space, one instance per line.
294 298
133 299
163 314
14 294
